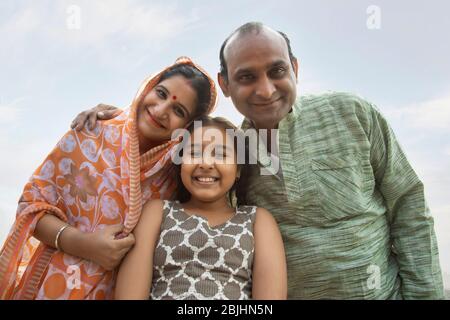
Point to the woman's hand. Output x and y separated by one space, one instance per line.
100 112
103 248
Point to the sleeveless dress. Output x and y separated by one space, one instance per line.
194 261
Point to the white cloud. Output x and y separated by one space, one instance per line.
99 21
446 279
10 112
20 159
22 22
22 154
430 115
121 34
447 151
309 84
225 108
441 216
102 20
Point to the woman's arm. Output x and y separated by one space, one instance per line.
70 241
100 246
136 271
269 264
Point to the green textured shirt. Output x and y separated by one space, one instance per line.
350 207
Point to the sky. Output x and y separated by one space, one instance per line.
58 58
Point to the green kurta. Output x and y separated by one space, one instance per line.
351 209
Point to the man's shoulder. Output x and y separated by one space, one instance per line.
335 99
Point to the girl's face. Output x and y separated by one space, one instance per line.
209 169
167 107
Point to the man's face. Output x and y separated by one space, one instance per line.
261 79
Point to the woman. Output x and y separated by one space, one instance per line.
86 197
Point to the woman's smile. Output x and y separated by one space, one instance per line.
158 115
152 120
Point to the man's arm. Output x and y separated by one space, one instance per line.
90 117
412 228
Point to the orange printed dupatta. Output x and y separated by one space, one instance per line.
91 179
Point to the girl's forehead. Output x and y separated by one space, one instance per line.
208 130
210 134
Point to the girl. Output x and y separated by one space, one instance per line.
199 247
91 187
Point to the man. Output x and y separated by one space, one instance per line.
349 205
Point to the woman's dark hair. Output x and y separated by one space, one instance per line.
197 80
182 193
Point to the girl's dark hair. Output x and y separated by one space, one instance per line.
197 80
182 193
242 185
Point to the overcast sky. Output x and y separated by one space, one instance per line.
60 57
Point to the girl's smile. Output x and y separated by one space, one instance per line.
205 180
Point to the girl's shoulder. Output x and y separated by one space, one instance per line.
154 207
247 212
264 219
170 207
260 218
252 210
153 203
246 208
159 203
150 219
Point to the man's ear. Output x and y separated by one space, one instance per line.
223 83
295 66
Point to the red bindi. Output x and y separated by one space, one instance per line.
174 97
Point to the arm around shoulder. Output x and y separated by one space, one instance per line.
269 264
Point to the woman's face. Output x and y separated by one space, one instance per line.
209 169
168 106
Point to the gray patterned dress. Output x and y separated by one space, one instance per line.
195 261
